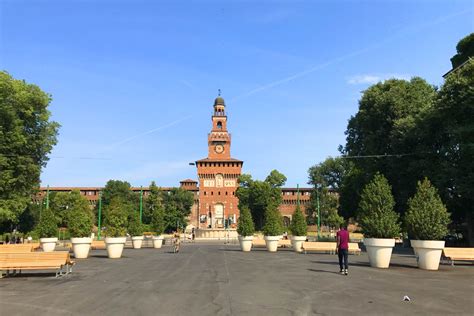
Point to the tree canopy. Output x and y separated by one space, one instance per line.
258 195
27 136
465 49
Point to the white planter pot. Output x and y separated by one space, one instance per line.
428 253
81 247
48 244
379 251
245 243
115 246
297 242
137 242
272 243
157 242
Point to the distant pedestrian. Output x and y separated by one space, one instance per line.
193 234
177 242
342 248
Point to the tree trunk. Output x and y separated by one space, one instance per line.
470 227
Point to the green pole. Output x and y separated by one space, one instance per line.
141 203
99 215
319 213
47 197
298 194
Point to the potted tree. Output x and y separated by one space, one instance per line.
80 222
136 229
47 230
245 229
115 222
298 229
273 227
379 221
427 223
158 225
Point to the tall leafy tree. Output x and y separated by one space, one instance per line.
153 202
448 133
386 124
118 188
259 195
465 50
27 136
177 203
62 203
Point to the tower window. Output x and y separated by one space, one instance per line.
219 125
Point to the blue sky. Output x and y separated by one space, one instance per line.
133 82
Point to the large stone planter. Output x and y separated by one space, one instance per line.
137 242
379 251
48 244
81 247
115 246
245 243
428 253
272 242
157 242
297 243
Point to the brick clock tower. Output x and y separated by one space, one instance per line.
217 175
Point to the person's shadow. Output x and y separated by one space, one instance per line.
325 271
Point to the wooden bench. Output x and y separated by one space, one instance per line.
258 242
16 248
458 254
56 260
98 245
319 246
284 243
354 248
328 247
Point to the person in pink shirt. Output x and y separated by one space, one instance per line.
342 248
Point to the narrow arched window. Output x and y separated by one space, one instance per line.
219 125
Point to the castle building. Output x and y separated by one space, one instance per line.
215 201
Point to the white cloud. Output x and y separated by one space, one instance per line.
374 78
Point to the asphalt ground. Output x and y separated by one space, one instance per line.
218 279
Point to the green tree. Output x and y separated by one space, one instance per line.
118 188
27 136
330 173
427 217
135 228
376 210
116 217
273 221
448 134
386 124
61 204
80 218
465 50
298 223
177 203
245 225
258 195
154 213
47 226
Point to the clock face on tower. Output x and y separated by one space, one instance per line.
219 148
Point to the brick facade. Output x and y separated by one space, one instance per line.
214 192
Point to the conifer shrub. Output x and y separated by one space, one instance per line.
427 217
158 220
298 225
273 221
115 219
47 227
80 222
245 226
135 228
377 216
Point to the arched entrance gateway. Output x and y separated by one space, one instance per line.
218 174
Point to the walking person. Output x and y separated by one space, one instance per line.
177 242
342 248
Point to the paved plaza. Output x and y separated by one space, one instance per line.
218 279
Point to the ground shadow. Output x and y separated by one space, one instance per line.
336 263
325 271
